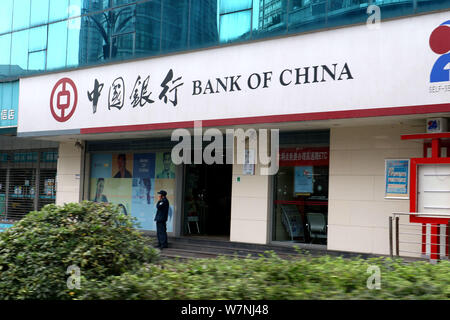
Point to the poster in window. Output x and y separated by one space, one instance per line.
142 203
303 180
396 178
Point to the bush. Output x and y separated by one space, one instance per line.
274 278
37 251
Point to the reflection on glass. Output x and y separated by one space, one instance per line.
36 60
19 49
6 16
57 44
38 39
98 30
39 12
227 6
21 14
5 49
148 28
75 8
59 10
123 45
74 54
175 24
203 23
235 26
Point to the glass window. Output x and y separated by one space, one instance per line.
5 49
21 14
123 19
38 39
19 50
97 37
6 14
148 28
301 194
227 6
76 48
39 12
123 45
75 8
57 45
269 19
235 26
132 181
59 10
308 15
36 60
395 8
429 5
175 24
203 23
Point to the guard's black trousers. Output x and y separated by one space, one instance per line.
161 232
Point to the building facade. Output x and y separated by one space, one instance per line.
109 82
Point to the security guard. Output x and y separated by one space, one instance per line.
161 218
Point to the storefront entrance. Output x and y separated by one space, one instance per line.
207 200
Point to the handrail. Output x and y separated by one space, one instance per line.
423 214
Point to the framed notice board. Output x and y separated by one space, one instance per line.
396 179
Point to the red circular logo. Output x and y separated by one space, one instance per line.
63 100
440 39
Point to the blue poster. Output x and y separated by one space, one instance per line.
143 189
303 179
397 177
101 165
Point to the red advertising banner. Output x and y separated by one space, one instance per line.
318 156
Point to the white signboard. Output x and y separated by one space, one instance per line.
348 72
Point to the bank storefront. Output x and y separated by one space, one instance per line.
340 110
27 167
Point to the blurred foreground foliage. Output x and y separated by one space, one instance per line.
275 278
36 252
117 262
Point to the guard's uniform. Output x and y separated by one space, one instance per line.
161 218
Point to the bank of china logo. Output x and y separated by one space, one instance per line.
440 44
63 100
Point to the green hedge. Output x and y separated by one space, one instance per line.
36 252
275 278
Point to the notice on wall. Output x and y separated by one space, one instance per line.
396 178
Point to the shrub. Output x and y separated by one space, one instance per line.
37 251
274 278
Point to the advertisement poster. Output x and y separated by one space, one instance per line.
49 189
132 181
397 171
303 182
249 165
143 204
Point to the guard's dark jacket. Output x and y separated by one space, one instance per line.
162 210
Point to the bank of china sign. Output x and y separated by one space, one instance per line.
350 69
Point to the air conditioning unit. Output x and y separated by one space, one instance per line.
436 125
